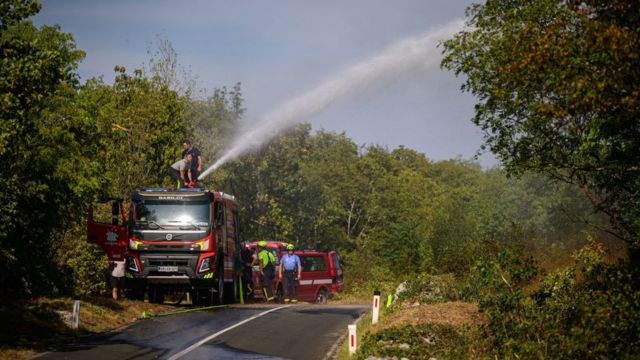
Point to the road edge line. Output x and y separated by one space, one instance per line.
213 336
332 354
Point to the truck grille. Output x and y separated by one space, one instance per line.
168 262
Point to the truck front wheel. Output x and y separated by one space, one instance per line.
135 292
156 295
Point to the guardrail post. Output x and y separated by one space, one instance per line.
353 339
376 307
75 316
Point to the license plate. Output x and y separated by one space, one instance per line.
167 268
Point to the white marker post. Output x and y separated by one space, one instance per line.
376 307
75 317
353 340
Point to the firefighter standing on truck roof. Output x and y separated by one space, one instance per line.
290 265
267 269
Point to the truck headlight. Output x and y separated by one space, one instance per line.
133 244
205 265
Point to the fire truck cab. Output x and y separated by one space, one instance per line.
174 240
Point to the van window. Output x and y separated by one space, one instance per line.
336 261
312 263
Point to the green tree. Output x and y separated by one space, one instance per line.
558 92
44 148
213 121
139 123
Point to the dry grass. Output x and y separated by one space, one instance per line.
454 313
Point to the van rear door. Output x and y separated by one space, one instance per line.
336 271
314 275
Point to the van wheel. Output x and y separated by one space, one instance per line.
321 298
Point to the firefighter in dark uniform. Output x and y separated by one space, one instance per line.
248 259
267 269
291 269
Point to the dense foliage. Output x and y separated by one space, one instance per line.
558 91
41 147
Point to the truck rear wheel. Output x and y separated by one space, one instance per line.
202 297
220 288
231 291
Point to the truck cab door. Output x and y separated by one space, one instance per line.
112 238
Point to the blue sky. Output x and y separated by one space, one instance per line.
280 49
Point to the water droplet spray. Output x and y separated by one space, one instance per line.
394 63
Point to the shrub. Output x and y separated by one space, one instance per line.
418 342
427 289
87 265
588 310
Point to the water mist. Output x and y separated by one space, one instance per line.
403 58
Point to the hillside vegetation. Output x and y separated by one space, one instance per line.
546 245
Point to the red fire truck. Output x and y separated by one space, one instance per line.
174 241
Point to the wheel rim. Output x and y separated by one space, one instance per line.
321 298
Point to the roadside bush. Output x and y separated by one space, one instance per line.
427 289
87 266
589 310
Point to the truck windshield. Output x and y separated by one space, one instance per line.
172 214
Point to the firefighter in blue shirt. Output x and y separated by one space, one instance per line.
291 269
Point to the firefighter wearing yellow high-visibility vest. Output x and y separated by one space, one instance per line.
267 269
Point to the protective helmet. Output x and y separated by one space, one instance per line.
289 247
262 243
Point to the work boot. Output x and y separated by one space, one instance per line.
293 301
270 299
286 300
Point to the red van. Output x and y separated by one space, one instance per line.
321 276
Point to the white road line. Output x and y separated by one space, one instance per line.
213 336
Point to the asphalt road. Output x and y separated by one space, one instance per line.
302 331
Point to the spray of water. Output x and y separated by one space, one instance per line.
402 58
